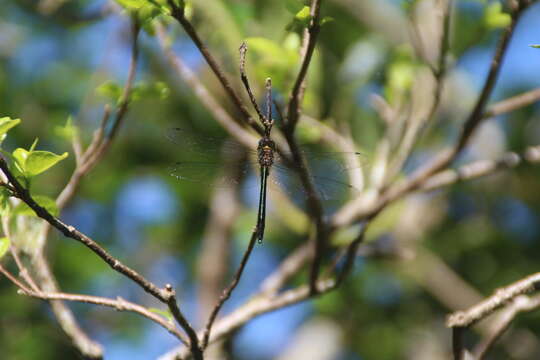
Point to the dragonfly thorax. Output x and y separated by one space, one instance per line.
265 152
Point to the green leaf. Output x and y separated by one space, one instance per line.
7 123
303 15
111 90
39 161
536 46
43 201
166 314
293 6
4 246
145 91
20 155
68 131
494 17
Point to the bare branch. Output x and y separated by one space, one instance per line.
513 103
309 41
62 312
202 93
243 50
520 304
196 350
288 267
501 297
228 291
358 210
119 304
457 343
71 232
415 127
481 168
251 309
179 15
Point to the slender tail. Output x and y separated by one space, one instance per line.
261 214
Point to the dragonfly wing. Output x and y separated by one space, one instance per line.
207 173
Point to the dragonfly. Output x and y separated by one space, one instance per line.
202 155
265 153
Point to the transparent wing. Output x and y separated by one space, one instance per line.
201 160
208 173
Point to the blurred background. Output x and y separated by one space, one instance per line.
425 257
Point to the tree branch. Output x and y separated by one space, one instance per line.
499 299
357 209
520 304
228 291
71 232
309 41
179 15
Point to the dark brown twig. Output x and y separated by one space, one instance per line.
196 350
69 231
245 81
166 295
179 15
228 291
309 41
457 343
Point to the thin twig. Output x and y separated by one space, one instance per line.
205 97
350 256
69 231
518 305
457 343
513 103
358 210
65 317
119 304
287 268
196 350
228 291
179 15
23 271
500 298
481 168
309 41
415 127
243 50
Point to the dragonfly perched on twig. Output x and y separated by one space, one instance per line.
202 156
267 159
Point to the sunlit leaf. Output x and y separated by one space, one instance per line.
43 201
39 161
7 123
67 131
144 91
110 90
4 246
536 46
494 17
20 156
